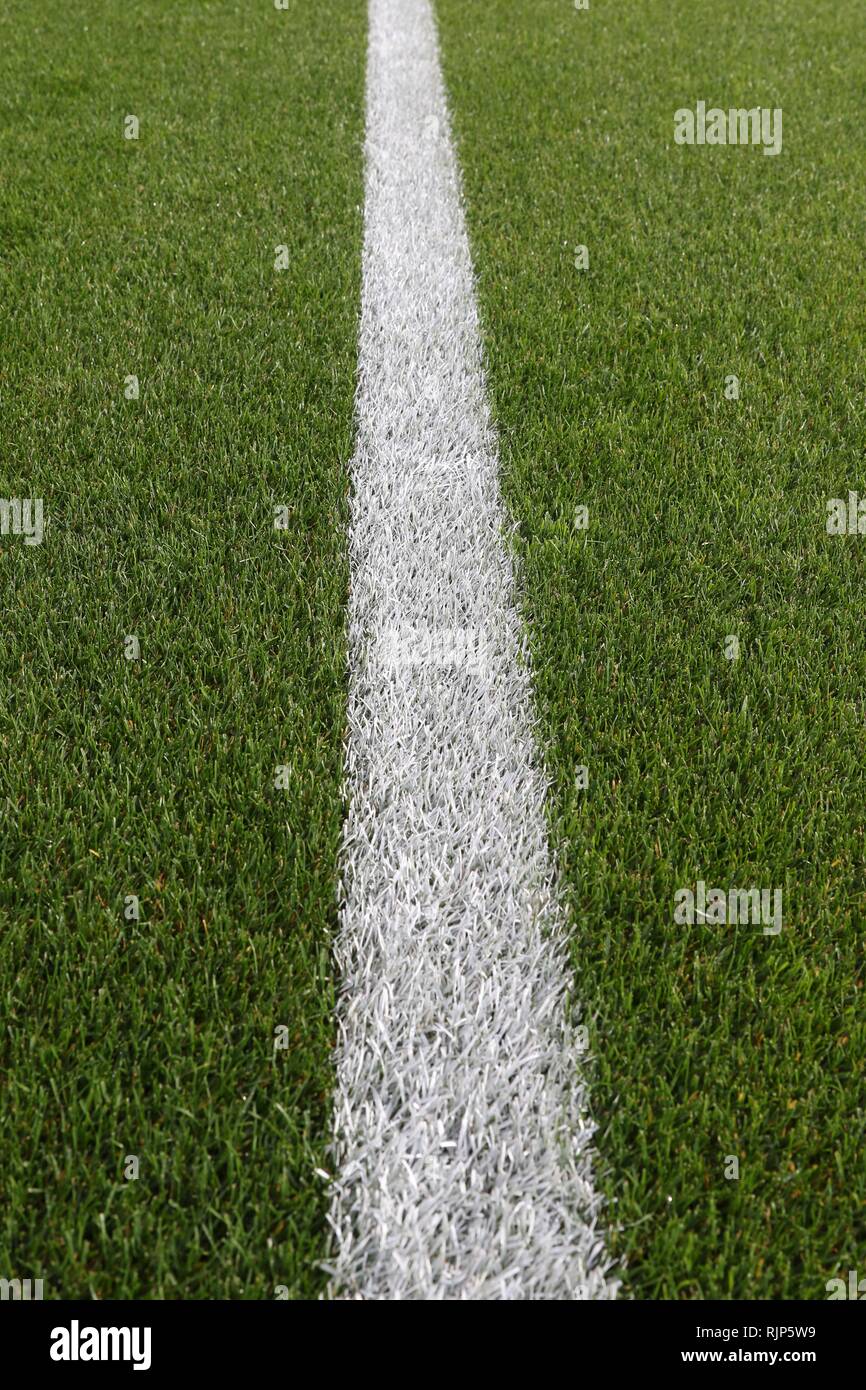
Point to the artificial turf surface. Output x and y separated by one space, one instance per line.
155 777
155 258
706 519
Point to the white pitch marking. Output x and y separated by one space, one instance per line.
462 1142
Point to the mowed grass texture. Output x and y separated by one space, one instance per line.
155 777
707 519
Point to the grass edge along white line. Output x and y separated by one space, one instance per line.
462 1144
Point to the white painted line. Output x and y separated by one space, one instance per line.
462 1144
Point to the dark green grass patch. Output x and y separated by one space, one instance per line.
155 777
707 519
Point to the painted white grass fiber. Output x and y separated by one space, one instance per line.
462 1147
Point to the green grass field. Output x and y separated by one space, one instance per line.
156 778
707 518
